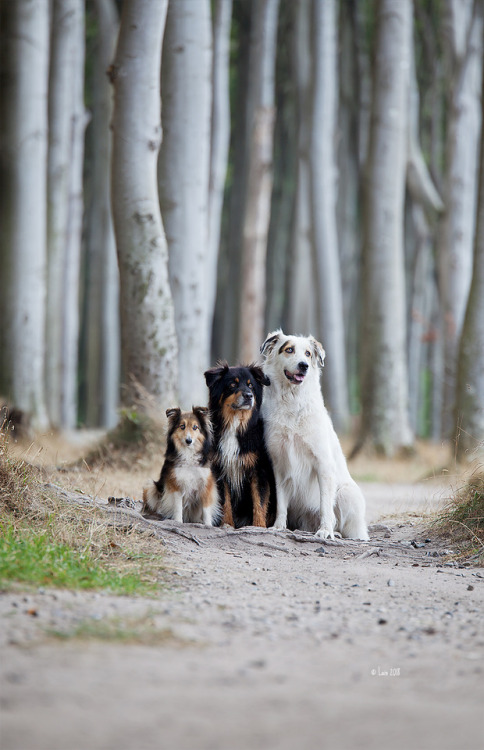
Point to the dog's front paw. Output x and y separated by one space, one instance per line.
279 526
325 533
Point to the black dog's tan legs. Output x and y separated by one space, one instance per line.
228 517
259 505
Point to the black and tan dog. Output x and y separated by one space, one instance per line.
186 490
241 463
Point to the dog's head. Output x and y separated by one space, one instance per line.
292 359
189 431
235 389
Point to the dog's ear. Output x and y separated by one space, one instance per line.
259 375
173 414
201 413
270 342
318 351
215 373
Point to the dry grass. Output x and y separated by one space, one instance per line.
39 527
462 521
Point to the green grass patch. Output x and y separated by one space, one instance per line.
139 630
38 559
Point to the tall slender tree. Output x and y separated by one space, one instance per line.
184 184
323 182
149 349
469 412
260 129
67 120
385 419
25 60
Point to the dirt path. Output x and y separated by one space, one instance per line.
259 640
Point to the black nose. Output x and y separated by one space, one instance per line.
188 440
303 366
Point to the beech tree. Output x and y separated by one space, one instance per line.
149 349
260 129
25 63
67 120
101 344
469 412
465 48
385 419
323 182
184 170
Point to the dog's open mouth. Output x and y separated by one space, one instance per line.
295 377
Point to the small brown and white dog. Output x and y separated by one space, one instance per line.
315 491
187 489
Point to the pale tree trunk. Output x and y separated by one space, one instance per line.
323 180
149 349
469 413
460 189
102 366
184 178
23 218
348 203
301 289
219 149
260 128
67 120
385 420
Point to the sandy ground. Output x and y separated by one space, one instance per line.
260 640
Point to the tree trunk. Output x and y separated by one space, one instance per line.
301 289
469 413
184 180
102 351
460 189
260 118
149 350
323 181
385 420
67 120
220 137
23 218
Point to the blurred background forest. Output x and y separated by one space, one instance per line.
180 177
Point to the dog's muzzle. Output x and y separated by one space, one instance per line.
298 376
244 401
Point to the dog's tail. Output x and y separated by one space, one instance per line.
151 499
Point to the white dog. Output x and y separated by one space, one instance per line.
315 490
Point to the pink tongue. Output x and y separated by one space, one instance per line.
299 378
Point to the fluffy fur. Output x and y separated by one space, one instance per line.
315 490
186 490
244 472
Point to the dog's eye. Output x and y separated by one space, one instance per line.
232 385
289 350
249 384
195 427
182 427
308 353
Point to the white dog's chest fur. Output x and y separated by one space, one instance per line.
229 452
191 480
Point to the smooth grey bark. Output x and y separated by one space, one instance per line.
184 185
385 420
102 324
149 348
469 412
323 187
465 48
23 129
260 129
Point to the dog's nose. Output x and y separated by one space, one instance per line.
303 366
188 440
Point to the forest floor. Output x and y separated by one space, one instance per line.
256 639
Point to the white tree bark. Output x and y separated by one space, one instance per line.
184 181
102 287
149 349
323 176
67 120
385 419
220 137
23 207
301 288
260 128
460 188
469 412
